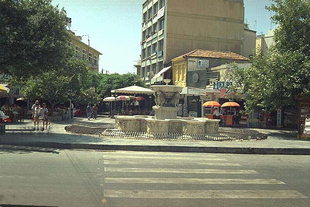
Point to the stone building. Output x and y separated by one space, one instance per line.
85 51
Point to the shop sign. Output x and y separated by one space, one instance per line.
196 91
221 84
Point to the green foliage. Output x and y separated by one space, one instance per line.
276 79
293 20
51 86
109 82
33 37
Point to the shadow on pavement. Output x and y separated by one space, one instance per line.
6 149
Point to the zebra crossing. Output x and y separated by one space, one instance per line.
146 175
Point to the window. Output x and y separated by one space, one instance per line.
149 14
161 24
154 68
143 35
143 53
160 65
161 45
161 3
148 51
155 8
154 47
154 28
145 17
149 32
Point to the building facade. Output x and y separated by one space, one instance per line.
264 43
174 27
199 72
85 51
195 69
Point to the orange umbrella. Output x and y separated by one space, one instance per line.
231 104
211 104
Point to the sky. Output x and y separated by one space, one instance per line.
114 27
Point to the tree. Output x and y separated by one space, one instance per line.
293 20
276 79
49 86
33 37
109 82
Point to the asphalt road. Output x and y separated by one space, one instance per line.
44 177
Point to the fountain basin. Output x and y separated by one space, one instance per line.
195 127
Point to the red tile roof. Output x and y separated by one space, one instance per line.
214 54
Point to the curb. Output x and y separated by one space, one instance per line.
149 148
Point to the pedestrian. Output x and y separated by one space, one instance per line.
44 116
35 114
89 111
72 110
95 111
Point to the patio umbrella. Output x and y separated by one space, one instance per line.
230 104
211 104
20 99
122 98
139 98
109 99
4 89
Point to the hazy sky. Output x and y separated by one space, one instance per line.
114 27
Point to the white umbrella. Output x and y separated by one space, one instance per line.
109 99
123 98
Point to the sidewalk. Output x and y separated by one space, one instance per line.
278 141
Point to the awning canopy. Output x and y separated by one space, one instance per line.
157 76
133 90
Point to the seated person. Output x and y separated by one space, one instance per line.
3 117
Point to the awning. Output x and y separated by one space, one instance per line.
156 77
133 90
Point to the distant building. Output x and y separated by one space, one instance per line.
193 69
85 51
174 27
264 43
249 42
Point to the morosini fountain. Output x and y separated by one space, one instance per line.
165 123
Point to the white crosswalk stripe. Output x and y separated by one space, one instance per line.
163 158
169 162
145 168
179 170
204 194
196 181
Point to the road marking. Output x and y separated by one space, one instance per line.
204 194
166 162
161 158
159 154
195 181
177 170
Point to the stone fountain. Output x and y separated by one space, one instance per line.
165 123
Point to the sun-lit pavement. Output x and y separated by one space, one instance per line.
279 141
120 178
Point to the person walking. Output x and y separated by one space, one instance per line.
44 116
35 114
95 111
89 111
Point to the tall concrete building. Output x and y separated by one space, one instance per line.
174 27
